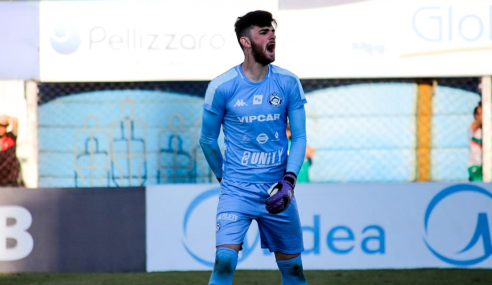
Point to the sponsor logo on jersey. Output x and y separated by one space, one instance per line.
257 99
276 137
262 138
245 139
240 103
262 158
275 100
259 118
227 216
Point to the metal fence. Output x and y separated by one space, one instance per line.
364 130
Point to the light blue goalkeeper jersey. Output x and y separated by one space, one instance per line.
254 121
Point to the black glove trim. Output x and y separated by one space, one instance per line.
290 178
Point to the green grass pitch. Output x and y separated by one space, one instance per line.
261 277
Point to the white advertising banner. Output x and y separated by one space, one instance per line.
140 40
387 38
195 39
352 226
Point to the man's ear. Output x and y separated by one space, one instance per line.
245 42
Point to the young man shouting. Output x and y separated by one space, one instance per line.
253 102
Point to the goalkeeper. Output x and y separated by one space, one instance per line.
253 102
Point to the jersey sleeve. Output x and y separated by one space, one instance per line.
297 119
214 99
297 97
208 141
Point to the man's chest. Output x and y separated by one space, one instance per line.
250 104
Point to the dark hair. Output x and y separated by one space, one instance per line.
255 18
475 111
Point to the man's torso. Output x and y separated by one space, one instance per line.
254 123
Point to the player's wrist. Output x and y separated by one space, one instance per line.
290 173
290 177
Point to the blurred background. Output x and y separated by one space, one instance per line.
109 93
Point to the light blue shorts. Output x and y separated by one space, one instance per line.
242 202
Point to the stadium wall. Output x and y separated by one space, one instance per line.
138 134
171 227
72 230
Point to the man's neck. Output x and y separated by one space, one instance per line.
254 71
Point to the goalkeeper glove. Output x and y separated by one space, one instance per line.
281 194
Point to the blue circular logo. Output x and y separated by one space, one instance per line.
482 230
247 248
65 38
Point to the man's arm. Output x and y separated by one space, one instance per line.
282 192
309 152
208 141
297 121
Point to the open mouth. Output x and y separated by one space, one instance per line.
271 47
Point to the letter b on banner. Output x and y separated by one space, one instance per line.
17 231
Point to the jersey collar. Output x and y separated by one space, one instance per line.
245 79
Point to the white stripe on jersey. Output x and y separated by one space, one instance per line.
216 82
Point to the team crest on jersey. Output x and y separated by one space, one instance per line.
275 100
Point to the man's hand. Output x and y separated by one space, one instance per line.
281 193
